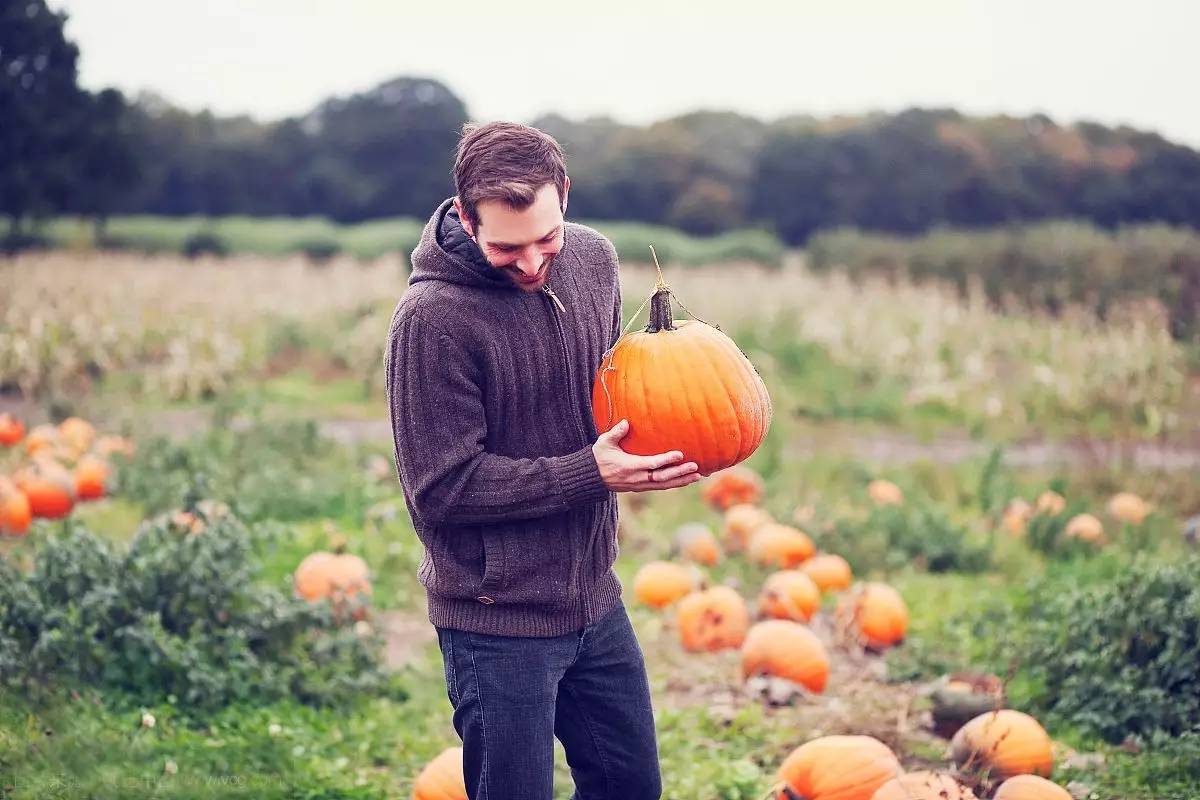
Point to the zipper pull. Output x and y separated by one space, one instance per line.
550 293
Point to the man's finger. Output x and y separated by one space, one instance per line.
675 483
659 460
671 473
617 432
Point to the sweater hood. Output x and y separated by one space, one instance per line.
446 253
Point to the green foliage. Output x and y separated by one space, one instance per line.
178 613
320 250
204 243
632 241
920 534
1119 657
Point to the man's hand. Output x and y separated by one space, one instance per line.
625 472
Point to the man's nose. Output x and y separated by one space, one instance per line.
530 261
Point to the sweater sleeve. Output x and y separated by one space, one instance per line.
439 427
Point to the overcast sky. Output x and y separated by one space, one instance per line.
639 60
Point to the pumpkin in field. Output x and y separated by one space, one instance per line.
91 478
15 514
1128 507
336 576
884 493
878 614
777 545
1002 744
1016 516
732 486
42 439
109 444
12 430
838 768
1050 503
741 521
1085 528
442 778
696 543
923 786
714 619
789 594
660 583
76 434
1030 787
682 386
49 487
786 650
829 572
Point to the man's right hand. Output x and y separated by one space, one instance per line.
625 472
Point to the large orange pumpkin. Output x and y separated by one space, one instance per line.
43 438
880 615
1085 528
732 486
1030 787
336 576
49 487
789 594
838 768
786 650
696 543
1128 507
12 430
714 619
91 478
1003 743
77 434
442 778
660 583
1016 516
777 545
923 786
682 386
15 514
829 572
741 521
1050 503
885 493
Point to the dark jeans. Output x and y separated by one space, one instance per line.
512 695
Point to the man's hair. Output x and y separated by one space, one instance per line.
505 161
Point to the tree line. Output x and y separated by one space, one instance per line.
387 152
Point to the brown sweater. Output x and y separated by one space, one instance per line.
489 389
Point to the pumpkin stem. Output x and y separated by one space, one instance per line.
660 302
662 283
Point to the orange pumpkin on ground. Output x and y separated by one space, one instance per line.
786 650
660 583
336 576
442 778
91 478
15 514
107 445
733 486
76 434
1127 507
741 521
42 438
1050 503
714 619
880 615
1002 744
12 430
923 786
1085 528
885 493
1030 787
49 487
682 386
838 768
777 545
696 543
789 594
1016 516
829 572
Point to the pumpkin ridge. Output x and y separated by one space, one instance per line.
700 345
711 440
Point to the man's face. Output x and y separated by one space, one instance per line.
522 244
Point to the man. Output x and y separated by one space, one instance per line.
491 356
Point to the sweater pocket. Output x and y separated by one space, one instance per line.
493 561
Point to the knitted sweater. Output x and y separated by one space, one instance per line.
489 390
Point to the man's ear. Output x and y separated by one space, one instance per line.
466 223
566 189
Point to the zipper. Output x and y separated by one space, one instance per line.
562 341
550 293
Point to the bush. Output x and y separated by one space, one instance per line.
917 534
177 613
1119 657
319 250
205 243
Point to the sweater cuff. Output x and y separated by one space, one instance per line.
578 476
